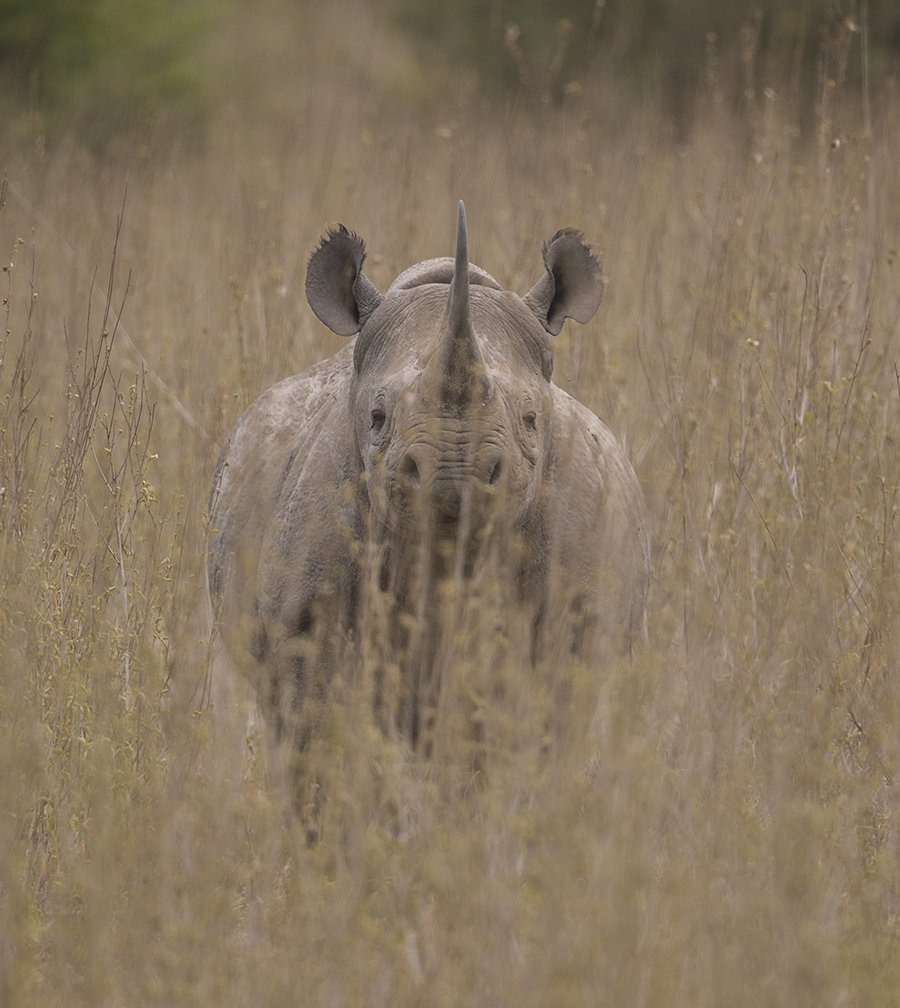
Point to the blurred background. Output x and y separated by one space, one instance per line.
173 68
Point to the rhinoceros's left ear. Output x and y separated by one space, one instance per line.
572 287
337 289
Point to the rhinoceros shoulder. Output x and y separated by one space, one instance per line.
285 419
592 447
598 505
279 427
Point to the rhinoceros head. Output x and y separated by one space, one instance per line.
451 391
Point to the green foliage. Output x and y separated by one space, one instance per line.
107 63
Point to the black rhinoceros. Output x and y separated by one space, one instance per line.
432 446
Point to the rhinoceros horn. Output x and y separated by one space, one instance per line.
458 368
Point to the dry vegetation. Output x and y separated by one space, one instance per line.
727 833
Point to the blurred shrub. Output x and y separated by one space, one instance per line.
105 63
549 46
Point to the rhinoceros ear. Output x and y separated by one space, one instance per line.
337 289
572 287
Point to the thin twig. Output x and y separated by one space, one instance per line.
762 518
179 407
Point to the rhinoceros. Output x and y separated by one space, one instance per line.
433 446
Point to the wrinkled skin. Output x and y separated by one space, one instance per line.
434 444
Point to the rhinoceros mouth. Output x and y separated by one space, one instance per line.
449 503
444 506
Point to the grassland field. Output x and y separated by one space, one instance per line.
726 833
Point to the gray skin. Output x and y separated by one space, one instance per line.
432 446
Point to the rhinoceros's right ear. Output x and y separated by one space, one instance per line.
572 286
337 289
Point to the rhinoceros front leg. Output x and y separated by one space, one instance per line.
307 601
296 693
298 671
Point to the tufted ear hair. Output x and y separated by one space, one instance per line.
337 289
572 286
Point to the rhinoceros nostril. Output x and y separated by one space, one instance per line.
409 470
495 472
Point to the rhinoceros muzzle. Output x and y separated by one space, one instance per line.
449 488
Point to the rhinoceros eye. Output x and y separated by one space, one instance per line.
530 421
378 418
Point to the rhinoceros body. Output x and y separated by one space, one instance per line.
432 448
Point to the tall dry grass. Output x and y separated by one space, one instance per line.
727 833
